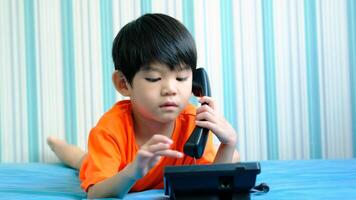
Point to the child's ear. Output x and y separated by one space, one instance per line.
121 83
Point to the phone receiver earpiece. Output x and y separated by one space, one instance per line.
201 85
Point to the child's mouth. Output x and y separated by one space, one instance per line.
168 105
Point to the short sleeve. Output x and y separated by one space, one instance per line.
103 159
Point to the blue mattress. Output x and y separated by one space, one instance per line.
297 179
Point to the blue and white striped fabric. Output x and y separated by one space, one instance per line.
282 72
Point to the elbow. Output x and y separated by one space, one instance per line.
90 193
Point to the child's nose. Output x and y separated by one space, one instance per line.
169 88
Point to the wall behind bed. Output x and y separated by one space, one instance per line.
283 72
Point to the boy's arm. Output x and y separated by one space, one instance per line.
227 154
120 184
115 186
222 150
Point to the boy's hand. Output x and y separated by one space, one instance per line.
150 153
208 117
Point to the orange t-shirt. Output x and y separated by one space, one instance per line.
112 146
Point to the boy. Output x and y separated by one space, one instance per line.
154 57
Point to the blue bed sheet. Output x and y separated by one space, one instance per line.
297 179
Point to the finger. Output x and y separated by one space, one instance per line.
208 125
205 108
170 153
159 138
158 147
207 100
207 117
144 154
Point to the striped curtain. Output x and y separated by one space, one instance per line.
282 72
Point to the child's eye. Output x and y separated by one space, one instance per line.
153 79
182 78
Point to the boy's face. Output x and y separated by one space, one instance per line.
160 94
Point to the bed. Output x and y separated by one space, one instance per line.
295 179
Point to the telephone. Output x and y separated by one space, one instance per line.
219 181
195 145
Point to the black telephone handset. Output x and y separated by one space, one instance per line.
195 145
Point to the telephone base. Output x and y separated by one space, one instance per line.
218 181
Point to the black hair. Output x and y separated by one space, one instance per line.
153 38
